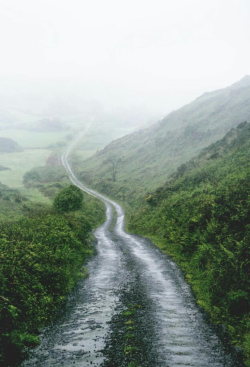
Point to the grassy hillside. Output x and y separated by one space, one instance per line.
42 252
12 204
148 157
201 217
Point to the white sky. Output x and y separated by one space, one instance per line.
161 53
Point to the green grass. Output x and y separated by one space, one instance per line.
19 163
35 195
33 139
84 154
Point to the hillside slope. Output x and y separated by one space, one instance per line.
149 156
201 217
42 251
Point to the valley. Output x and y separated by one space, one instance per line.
148 157
184 186
125 183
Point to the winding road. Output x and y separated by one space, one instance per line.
134 308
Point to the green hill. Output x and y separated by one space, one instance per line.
148 157
2 168
8 146
201 217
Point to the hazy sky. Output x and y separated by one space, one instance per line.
158 53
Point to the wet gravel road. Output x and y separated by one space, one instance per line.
134 309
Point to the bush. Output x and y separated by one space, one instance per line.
41 259
69 199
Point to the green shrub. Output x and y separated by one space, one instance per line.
41 259
69 199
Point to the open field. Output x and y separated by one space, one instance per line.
35 195
19 163
34 139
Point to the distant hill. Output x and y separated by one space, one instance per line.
149 156
9 146
46 125
2 168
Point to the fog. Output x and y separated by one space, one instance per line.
133 60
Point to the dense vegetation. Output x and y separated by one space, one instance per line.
202 218
69 199
147 157
41 258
